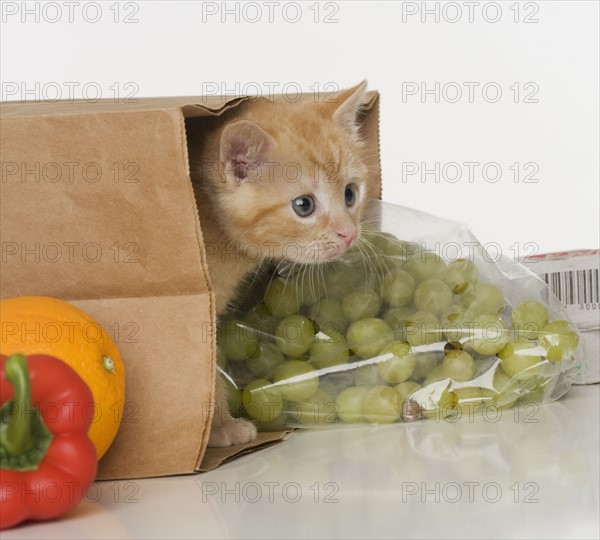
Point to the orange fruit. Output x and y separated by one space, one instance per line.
44 325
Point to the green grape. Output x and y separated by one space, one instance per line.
277 424
501 380
261 318
536 389
334 383
234 403
234 398
379 243
262 400
521 360
461 276
361 275
483 364
389 245
399 315
367 337
258 313
427 396
371 237
397 318
282 298
365 256
366 375
296 380
505 396
406 389
425 362
338 281
329 315
398 288
238 340
453 322
438 373
459 365
349 404
528 318
221 357
487 335
397 362
423 329
445 406
534 396
448 400
266 359
329 349
381 405
486 299
433 295
435 399
294 335
425 265
361 303
317 409
470 398
560 340
308 288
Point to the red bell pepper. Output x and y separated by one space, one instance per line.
47 460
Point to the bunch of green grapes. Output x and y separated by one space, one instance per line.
396 334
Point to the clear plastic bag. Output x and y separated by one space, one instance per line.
418 320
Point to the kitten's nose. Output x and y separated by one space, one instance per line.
347 236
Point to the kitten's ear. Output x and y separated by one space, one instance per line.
245 146
347 106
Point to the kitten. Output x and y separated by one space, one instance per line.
276 181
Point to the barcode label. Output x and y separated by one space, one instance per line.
574 287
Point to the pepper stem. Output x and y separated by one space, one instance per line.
15 436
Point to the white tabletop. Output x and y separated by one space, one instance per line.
531 474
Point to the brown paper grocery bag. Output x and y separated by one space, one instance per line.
97 208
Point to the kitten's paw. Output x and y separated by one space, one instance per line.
232 432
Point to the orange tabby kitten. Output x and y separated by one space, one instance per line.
276 181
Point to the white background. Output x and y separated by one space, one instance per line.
185 48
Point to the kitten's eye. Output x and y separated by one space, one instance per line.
350 194
304 206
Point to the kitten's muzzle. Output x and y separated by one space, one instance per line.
347 237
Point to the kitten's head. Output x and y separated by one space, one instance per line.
291 179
